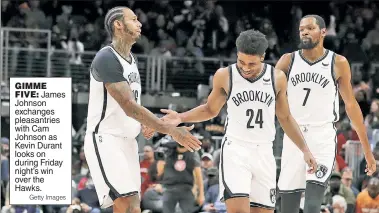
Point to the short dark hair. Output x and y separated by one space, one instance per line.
319 20
113 14
252 42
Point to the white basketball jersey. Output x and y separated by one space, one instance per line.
105 116
312 90
251 106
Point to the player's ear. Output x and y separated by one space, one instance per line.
117 24
263 57
323 32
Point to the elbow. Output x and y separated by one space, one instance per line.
129 106
211 112
282 118
350 107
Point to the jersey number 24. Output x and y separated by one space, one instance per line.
258 118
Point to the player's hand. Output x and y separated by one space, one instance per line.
371 164
147 132
171 117
182 136
311 162
200 200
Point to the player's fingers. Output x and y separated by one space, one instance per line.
196 141
193 144
189 128
186 145
167 111
189 148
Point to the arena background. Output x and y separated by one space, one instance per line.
183 43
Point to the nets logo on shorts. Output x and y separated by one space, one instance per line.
180 165
321 171
273 195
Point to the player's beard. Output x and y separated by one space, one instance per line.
308 44
130 34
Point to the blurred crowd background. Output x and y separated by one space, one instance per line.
183 43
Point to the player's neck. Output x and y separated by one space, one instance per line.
313 54
122 46
252 78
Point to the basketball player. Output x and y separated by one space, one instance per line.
315 75
254 93
115 117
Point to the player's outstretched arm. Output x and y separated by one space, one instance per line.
288 123
343 76
122 93
210 109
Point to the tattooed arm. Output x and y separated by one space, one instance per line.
122 93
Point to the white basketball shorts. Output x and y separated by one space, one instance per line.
322 142
114 166
248 170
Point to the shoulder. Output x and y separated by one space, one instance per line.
287 56
106 67
349 193
221 75
280 75
105 55
341 65
362 195
223 71
340 59
285 61
280 80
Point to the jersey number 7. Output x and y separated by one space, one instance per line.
306 95
258 118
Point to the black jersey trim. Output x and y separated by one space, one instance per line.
315 62
290 65
113 194
335 87
104 109
227 193
259 205
273 80
230 82
332 69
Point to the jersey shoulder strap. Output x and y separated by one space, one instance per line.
230 86
293 56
